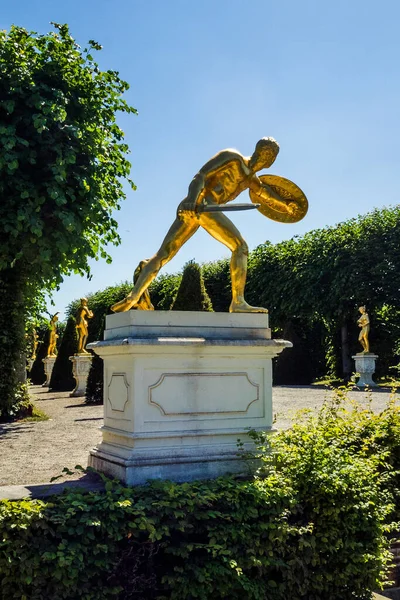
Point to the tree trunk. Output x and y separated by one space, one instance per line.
12 338
346 360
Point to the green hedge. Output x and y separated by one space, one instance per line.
311 525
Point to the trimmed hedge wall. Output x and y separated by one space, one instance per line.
310 525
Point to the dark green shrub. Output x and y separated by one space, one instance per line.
192 294
293 366
37 374
95 382
62 378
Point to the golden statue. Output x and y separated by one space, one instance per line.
35 341
83 314
364 323
51 350
144 302
218 182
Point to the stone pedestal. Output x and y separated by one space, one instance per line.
180 388
80 368
365 366
48 368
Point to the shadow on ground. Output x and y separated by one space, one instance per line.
89 482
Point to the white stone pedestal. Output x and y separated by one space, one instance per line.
48 369
365 366
180 388
80 368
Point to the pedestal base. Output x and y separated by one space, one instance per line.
365 367
180 389
80 368
48 368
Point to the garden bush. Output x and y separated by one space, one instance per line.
62 378
37 374
312 524
192 294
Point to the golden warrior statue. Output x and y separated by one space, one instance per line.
218 182
364 323
83 314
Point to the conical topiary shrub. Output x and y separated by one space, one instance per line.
192 294
95 384
37 374
62 378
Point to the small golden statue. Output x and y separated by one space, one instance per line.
51 350
364 323
218 182
35 342
82 315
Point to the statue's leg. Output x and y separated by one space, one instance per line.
179 233
223 230
84 341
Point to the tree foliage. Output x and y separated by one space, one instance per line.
62 154
62 164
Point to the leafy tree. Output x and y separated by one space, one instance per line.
192 294
62 162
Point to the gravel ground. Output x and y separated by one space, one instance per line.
34 452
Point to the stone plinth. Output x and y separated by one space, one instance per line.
365 367
48 368
180 388
80 368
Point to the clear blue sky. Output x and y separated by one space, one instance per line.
320 77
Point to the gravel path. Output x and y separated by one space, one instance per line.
34 452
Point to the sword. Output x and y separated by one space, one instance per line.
225 208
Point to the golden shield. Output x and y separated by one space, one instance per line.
295 205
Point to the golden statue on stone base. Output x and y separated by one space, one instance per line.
51 349
218 182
